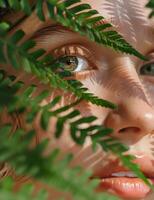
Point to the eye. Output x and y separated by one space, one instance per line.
72 64
74 61
147 69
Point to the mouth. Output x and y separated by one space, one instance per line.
124 184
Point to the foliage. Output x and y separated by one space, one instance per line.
80 18
19 56
13 97
18 103
21 158
6 187
150 4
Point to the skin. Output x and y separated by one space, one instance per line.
112 76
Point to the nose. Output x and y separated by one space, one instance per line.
133 119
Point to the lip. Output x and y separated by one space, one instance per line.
130 188
122 186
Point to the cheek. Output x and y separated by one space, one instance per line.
148 143
149 87
82 155
95 84
65 142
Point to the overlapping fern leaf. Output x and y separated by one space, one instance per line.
79 17
21 157
6 188
47 169
17 102
19 57
150 4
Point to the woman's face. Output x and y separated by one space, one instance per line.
119 78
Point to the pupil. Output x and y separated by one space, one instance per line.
149 68
70 63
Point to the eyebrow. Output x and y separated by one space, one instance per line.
51 29
58 28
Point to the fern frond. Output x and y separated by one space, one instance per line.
80 18
6 191
16 102
83 19
18 56
48 169
17 5
150 4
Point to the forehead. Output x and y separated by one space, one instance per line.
130 17
106 7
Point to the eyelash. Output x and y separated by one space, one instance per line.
79 51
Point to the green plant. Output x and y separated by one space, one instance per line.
19 55
150 4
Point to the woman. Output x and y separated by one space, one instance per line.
119 78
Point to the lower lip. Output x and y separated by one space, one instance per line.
132 188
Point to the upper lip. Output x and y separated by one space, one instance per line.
109 170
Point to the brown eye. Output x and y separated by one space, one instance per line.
69 63
147 69
72 64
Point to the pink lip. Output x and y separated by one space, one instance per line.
124 186
131 188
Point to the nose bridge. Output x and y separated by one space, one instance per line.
124 81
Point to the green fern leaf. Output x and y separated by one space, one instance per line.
65 4
77 133
17 36
27 45
4 27
59 174
2 55
15 4
19 57
67 11
118 43
39 10
24 193
150 4
79 8
25 6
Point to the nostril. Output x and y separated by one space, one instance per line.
130 130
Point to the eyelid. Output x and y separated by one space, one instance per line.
75 50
